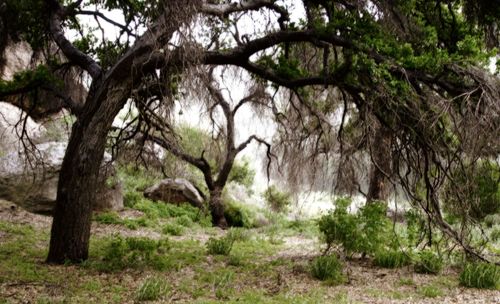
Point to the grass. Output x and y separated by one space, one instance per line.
480 275
220 246
327 268
429 262
430 291
153 288
391 259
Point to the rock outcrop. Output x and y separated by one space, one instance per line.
29 170
175 191
30 179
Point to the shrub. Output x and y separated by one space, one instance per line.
119 253
242 174
173 229
152 289
276 200
479 193
495 234
480 275
238 215
364 232
391 259
221 246
327 268
428 262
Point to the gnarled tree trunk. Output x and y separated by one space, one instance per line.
76 191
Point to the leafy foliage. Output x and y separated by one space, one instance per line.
428 262
276 200
238 215
364 232
474 192
242 174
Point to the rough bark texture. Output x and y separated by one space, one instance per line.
217 208
76 192
381 165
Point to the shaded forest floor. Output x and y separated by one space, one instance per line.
266 265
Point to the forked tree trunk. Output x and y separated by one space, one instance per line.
76 190
381 165
217 208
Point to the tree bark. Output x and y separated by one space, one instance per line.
76 191
381 165
217 208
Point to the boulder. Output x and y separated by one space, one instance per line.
30 179
13 124
175 191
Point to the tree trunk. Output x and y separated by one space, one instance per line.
217 208
381 165
76 191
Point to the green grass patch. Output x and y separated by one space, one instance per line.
391 259
173 229
430 291
428 262
480 275
152 289
219 246
327 268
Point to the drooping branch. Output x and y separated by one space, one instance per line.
58 14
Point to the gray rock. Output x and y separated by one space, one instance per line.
13 122
175 191
30 179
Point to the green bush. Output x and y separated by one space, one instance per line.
173 229
428 262
242 174
221 246
327 268
276 200
495 234
391 259
480 275
364 232
238 215
152 289
479 191
119 253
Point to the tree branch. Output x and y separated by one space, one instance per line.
58 14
